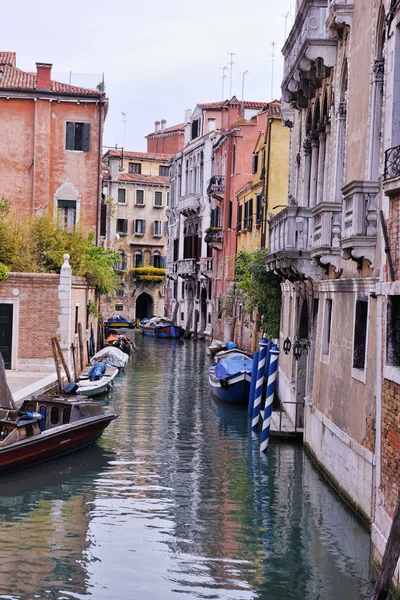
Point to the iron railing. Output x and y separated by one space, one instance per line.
392 163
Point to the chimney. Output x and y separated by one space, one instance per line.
43 75
188 114
157 126
163 124
212 124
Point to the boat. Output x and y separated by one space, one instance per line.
91 382
118 321
230 378
120 341
160 327
110 355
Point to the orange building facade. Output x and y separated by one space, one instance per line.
51 150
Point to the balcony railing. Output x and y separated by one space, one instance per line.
326 233
309 54
216 186
206 266
189 203
214 237
359 220
187 267
392 163
340 13
172 268
289 230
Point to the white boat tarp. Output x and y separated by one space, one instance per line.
111 356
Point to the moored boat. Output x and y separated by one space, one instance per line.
118 321
160 327
120 341
230 378
110 355
93 383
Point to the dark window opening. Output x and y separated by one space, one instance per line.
183 290
230 209
157 261
164 171
327 327
255 164
393 331
122 226
176 249
138 260
140 226
66 415
140 197
54 415
195 128
135 168
258 209
76 318
77 136
360 334
239 217
121 196
233 159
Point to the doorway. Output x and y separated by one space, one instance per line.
144 306
6 322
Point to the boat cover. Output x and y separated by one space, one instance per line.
97 372
234 363
110 356
118 319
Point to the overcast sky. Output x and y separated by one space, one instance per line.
158 58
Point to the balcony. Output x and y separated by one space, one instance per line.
391 176
216 187
340 13
359 220
187 267
189 204
172 268
290 244
325 249
206 266
214 237
309 54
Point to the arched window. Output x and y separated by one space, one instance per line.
138 260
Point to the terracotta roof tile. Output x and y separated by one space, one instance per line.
138 155
232 102
12 78
175 128
8 58
143 179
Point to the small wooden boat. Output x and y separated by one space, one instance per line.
119 340
230 378
112 356
119 322
90 387
160 327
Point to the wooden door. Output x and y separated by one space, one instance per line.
6 317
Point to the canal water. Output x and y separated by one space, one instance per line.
174 503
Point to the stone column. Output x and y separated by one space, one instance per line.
321 165
340 143
325 192
314 168
307 172
64 318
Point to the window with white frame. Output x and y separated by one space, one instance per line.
121 196
158 199
326 334
157 228
164 171
360 334
66 214
140 197
122 226
135 168
139 226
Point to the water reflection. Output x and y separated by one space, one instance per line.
175 502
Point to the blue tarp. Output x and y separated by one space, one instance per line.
97 372
233 364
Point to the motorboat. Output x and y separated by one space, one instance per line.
119 340
95 380
230 377
160 327
112 356
118 321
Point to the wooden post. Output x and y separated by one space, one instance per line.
56 359
80 339
6 399
390 558
61 355
74 361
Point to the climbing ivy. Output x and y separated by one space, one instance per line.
257 288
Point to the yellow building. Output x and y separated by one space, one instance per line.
136 190
267 192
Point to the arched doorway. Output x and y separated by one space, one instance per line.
144 306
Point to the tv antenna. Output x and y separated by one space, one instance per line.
243 76
124 122
272 70
231 54
286 18
223 69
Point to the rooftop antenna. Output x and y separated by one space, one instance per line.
223 69
272 70
124 122
243 76
231 54
286 18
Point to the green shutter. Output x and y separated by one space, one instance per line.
70 136
86 137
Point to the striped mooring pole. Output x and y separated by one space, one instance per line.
253 383
259 383
273 367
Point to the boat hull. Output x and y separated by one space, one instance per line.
169 331
53 443
147 330
233 390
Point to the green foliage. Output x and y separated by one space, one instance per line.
258 289
92 309
3 272
4 207
142 271
38 245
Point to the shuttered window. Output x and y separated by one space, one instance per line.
122 226
121 196
139 226
77 136
157 228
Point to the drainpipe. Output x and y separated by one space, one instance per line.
378 421
99 160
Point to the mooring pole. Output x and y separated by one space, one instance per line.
259 383
390 558
253 383
273 367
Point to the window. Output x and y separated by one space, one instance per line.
393 331
248 214
120 291
139 226
360 334
135 168
158 199
121 196
77 136
195 128
214 217
157 228
54 415
182 316
233 159
255 164
167 198
239 217
122 226
76 317
219 308
164 171
183 291
326 339
157 261
140 197
66 415
118 307
120 265
258 209
138 260
66 213
230 208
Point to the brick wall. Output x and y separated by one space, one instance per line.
390 477
394 236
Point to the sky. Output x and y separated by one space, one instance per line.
158 58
